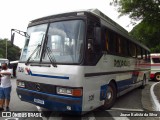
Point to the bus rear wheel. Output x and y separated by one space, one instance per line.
111 95
143 82
157 76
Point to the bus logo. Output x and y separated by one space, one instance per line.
38 87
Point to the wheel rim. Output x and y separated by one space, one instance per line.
158 77
109 95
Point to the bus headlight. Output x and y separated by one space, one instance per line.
20 84
69 91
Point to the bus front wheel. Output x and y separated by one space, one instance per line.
111 95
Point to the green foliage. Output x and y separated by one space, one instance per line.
13 52
147 34
148 11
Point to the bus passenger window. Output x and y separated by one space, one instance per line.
139 52
119 45
145 55
132 50
90 51
107 42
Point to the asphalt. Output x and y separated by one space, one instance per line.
146 98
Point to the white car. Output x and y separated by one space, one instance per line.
155 66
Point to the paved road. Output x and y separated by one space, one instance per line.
138 100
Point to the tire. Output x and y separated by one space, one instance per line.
111 95
157 77
143 82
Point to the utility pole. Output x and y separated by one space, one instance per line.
6 48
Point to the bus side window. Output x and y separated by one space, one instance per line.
119 43
132 50
107 42
139 52
106 39
148 57
145 55
112 42
93 50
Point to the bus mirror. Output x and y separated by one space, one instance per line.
97 33
12 38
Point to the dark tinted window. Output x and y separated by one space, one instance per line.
139 52
156 60
132 49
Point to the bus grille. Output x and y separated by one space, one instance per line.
40 87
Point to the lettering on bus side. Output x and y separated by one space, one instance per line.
121 63
20 69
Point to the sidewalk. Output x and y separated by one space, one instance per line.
157 91
146 99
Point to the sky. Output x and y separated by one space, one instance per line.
17 14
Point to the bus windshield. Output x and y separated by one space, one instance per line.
36 34
64 39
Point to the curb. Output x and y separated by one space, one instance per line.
156 104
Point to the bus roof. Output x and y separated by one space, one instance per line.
115 27
155 54
118 28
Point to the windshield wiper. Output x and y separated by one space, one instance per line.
51 57
32 54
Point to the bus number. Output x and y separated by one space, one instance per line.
20 69
91 97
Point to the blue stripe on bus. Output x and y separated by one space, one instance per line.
121 85
103 93
48 76
124 84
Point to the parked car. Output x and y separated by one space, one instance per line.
155 66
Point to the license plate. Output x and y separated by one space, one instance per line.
39 101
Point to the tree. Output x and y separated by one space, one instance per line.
146 11
13 52
147 34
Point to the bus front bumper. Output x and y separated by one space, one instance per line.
52 102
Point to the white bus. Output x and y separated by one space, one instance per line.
155 66
79 61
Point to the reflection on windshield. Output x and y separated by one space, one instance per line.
65 39
36 34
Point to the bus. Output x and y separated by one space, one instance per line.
155 66
79 61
